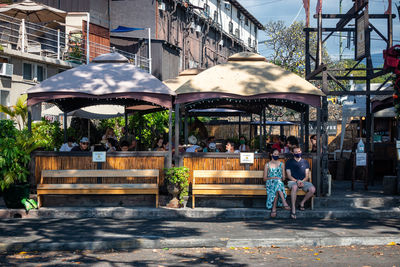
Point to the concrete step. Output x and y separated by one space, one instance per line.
357 202
166 213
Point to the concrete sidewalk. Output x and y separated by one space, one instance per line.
113 233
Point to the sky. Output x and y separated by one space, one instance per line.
292 10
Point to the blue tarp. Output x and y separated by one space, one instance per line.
127 29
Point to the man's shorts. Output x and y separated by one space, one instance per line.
305 188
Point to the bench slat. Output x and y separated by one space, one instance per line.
228 174
247 192
100 173
96 186
229 186
122 191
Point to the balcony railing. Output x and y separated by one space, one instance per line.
40 40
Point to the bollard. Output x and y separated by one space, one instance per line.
389 185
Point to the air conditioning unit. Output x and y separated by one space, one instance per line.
161 6
192 25
6 69
221 43
227 5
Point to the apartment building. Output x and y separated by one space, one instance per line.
184 33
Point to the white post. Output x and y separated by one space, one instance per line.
136 63
23 35
87 39
150 50
58 44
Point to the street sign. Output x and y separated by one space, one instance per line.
361 159
361 31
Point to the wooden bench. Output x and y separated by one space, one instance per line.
247 189
96 182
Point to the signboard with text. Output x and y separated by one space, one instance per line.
99 156
246 158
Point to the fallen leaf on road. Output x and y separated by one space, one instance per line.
273 246
246 248
22 252
231 248
165 248
315 254
280 257
318 259
391 244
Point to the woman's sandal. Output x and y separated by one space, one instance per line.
301 208
286 207
273 214
293 216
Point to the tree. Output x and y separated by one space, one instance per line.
287 45
18 112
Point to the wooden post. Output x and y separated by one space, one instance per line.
240 126
307 128
302 131
260 132
318 182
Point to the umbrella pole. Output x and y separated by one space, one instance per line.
186 128
65 127
88 127
169 162
177 130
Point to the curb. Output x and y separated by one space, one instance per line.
154 242
198 213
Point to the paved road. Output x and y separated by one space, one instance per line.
95 233
234 256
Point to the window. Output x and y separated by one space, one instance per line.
230 27
249 42
238 15
33 72
206 10
237 33
216 16
27 72
4 100
246 21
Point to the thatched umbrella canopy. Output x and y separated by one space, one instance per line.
248 82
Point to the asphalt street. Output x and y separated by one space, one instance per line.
232 256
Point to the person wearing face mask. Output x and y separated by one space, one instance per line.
297 170
274 175
243 147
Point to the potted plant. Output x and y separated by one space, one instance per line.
15 149
178 183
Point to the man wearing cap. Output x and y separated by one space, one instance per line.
83 145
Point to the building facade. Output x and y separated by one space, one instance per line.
184 33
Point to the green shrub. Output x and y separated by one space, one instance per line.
15 149
178 176
48 134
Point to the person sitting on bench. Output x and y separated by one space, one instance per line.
297 170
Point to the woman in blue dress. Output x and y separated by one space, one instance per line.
274 175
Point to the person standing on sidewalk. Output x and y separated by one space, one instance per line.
297 170
274 174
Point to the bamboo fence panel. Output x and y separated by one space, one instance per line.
202 163
85 163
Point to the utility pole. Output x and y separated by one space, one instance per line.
340 34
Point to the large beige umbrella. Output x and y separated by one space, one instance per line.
33 12
184 76
247 77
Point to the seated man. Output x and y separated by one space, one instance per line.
297 170
83 145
